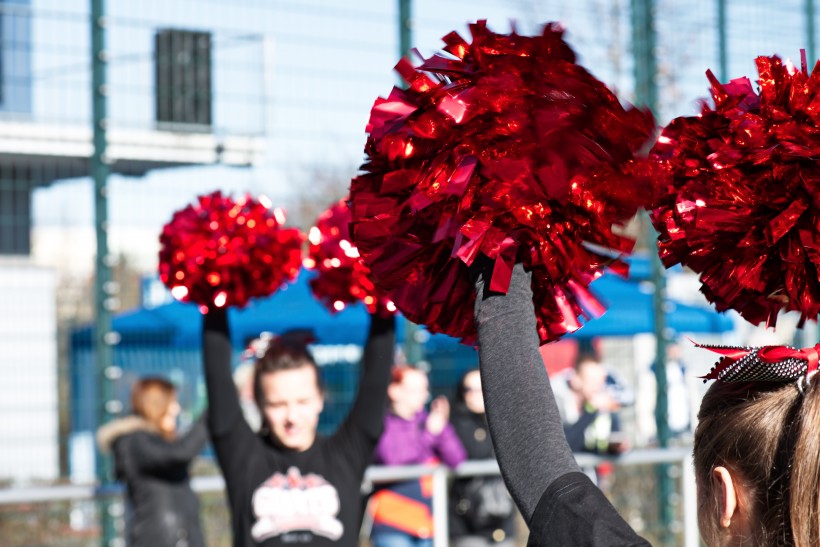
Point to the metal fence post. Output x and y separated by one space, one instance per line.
723 45
104 287
413 351
440 510
646 93
691 533
810 31
405 27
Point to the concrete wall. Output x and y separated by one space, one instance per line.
29 446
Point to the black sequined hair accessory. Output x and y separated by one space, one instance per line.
764 364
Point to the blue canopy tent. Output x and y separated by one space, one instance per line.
166 340
630 311
292 307
629 304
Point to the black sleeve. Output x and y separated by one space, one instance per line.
230 433
523 417
151 452
465 426
365 423
573 511
575 432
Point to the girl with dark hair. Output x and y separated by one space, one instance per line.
287 484
757 463
153 462
481 510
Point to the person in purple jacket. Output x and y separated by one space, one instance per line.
402 512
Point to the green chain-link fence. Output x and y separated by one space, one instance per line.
260 96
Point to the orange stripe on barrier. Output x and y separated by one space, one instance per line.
402 513
427 486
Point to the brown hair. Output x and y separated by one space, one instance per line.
282 354
585 357
767 436
150 399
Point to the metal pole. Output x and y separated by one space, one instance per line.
405 27
104 287
643 34
810 334
691 533
646 93
413 350
723 45
440 509
643 49
666 485
810 49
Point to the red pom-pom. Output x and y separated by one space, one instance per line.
342 278
505 148
223 252
741 193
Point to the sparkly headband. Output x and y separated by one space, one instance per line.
258 346
764 364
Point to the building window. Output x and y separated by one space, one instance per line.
15 217
183 80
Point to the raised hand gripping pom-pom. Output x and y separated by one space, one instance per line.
223 252
740 203
505 148
342 278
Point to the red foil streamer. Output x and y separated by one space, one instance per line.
224 252
740 193
505 149
342 278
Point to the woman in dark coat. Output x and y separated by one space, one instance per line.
153 463
481 511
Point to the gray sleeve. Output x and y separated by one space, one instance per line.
524 421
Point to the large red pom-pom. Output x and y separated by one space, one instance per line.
505 148
342 278
223 252
740 203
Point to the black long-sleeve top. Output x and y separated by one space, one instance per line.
155 472
282 497
560 504
471 428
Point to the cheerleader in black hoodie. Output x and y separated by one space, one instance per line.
286 485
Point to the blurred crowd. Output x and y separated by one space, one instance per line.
152 458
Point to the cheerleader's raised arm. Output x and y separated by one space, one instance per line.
560 504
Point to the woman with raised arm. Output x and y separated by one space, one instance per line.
287 485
